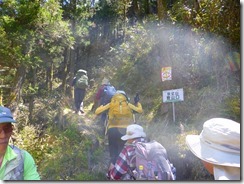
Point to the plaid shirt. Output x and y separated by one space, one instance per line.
124 162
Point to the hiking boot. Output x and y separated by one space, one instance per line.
82 111
107 176
106 143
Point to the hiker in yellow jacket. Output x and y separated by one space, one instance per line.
120 115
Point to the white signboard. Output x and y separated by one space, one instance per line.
173 95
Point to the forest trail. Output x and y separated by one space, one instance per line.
89 125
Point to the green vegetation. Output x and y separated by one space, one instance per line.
44 43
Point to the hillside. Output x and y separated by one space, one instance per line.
73 147
82 155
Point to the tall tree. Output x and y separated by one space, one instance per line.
35 35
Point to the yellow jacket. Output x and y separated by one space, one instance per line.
120 123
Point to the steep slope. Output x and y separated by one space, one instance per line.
88 124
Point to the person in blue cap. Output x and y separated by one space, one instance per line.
15 163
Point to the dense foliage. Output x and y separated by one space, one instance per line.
43 44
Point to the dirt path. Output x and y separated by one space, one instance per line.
88 124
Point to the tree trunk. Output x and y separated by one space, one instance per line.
15 93
31 96
135 8
51 77
47 78
65 73
196 5
160 9
72 68
124 20
146 6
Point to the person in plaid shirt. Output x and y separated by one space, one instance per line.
124 165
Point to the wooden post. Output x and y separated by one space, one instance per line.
173 105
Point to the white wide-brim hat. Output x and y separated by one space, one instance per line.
133 131
218 143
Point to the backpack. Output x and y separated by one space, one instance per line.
81 82
108 93
119 107
18 172
152 162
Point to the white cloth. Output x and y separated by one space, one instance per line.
226 173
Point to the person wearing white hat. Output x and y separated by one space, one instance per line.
218 146
133 131
15 163
134 134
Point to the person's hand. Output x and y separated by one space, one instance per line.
109 169
107 176
136 99
111 166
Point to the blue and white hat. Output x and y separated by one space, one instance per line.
6 115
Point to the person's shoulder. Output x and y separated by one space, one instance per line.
129 149
27 156
17 149
141 140
22 151
14 148
129 146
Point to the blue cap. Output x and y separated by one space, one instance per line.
6 115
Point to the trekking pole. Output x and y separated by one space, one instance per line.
136 100
134 118
106 125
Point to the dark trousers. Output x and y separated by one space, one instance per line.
79 95
115 142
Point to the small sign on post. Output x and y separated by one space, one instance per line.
166 73
174 95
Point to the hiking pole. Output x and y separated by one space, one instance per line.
106 125
136 100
